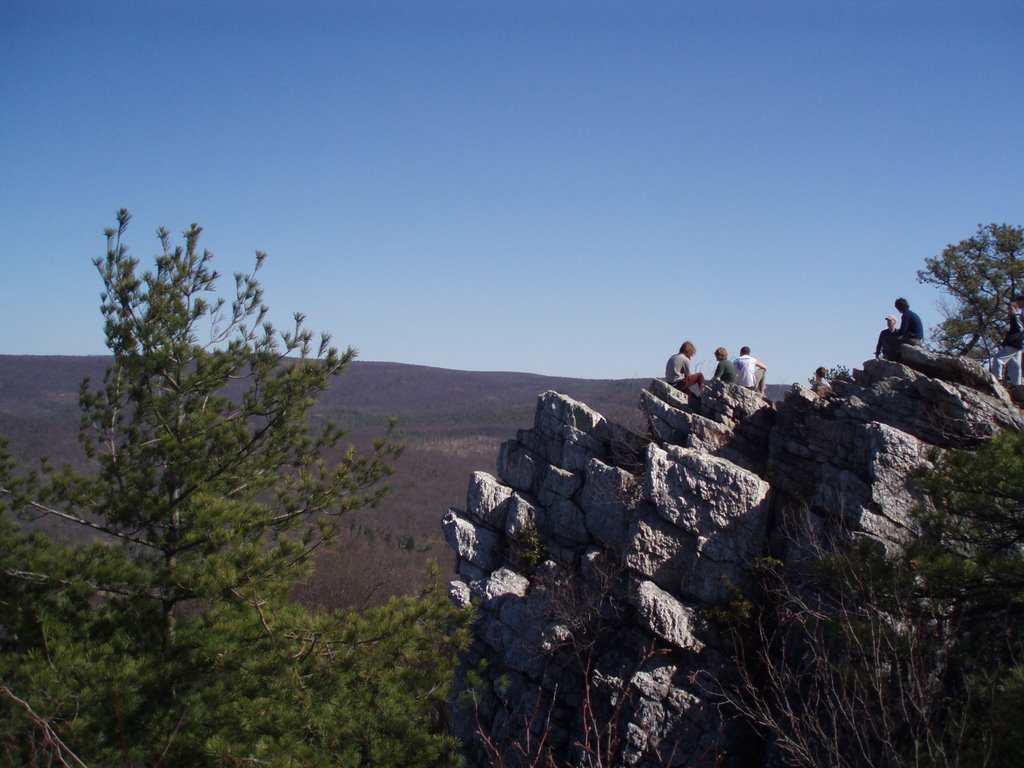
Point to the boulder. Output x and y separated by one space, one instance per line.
647 535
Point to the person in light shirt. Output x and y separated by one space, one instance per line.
750 371
821 386
1008 356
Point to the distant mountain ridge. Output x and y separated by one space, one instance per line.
31 382
451 422
398 388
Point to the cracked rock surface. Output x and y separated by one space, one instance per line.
594 553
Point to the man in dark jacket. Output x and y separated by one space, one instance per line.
1008 356
889 330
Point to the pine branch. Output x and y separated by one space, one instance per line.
62 752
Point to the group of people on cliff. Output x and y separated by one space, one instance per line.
748 371
745 370
1007 358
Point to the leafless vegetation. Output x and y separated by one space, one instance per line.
843 662
580 716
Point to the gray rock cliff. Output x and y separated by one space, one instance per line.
594 553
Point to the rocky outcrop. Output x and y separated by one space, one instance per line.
594 555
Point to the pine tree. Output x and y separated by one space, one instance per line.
168 638
980 275
971 554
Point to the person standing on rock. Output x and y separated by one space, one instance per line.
910 333
725 371
1009 353
889 330
750 371
677 371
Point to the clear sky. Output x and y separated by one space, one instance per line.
565 188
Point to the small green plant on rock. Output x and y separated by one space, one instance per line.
528 547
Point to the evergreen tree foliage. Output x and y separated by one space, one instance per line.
980 275
838 372
167 637
971 554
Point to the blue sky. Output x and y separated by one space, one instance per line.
565 188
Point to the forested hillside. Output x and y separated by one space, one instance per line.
451 422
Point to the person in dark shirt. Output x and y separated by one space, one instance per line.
889 330
725 371
910 333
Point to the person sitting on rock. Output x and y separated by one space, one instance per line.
1009 353
910 333
725 371
889 330
821 386
677 371
750 371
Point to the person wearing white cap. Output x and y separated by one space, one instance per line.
890 322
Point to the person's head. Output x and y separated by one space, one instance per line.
744 351
902 305
1016 304
688 349
821 373
890 321
721 353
